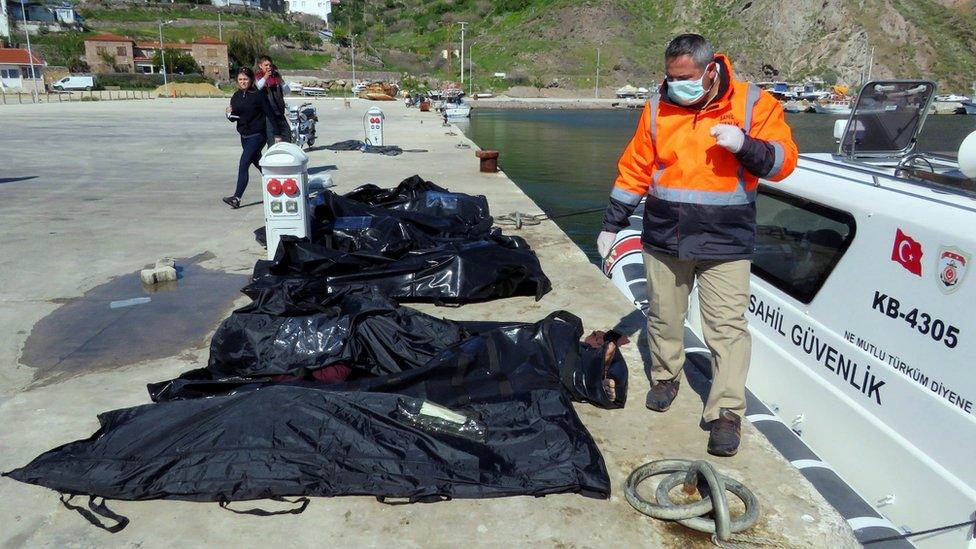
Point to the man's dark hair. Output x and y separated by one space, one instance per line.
264 58
694 45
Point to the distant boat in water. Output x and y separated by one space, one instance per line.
795 106
838 106
457 110
952 98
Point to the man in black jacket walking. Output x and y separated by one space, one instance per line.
273 86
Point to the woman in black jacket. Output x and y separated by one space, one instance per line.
249 108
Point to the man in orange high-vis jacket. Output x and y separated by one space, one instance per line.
702 143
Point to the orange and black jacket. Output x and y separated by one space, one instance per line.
701 198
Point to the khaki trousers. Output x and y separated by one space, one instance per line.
723 290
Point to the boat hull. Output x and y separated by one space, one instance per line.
462 111
883 406
836 110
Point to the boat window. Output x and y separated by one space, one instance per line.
798 242
887 118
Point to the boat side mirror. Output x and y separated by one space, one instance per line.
840 128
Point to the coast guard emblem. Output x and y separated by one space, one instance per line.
951 268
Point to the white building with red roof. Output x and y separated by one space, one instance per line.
15 70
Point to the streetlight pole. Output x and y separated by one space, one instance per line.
30 54
596 92
354 61
462 23
162 55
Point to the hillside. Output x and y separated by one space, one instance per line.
291 39
542 40
538 41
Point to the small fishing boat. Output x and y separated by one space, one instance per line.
457 110
837 105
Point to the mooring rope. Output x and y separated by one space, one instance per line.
696 475
521 219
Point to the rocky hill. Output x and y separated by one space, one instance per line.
538 41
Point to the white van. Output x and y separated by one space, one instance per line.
74 82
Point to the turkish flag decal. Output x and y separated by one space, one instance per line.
908 252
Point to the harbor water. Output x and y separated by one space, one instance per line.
565 160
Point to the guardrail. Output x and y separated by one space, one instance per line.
7 98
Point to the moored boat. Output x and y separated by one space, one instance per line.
862 339
835 105
457 110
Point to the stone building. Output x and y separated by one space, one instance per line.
127 55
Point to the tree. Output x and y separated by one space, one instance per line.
244 46
830 77
177 61
68 50
306 39
75 64
109 60
277 30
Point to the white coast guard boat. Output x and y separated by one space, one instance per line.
861 312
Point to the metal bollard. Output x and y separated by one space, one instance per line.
489 161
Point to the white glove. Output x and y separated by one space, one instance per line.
604 242
729 137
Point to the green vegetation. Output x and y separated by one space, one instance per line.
538 41
297 60
177 62
245 45
166 12
62 49
252 28
412 85
128 81
306 39
952 32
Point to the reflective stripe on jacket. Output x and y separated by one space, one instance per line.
701 197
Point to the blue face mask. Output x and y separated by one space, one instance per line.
687 92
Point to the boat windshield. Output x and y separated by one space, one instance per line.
886 119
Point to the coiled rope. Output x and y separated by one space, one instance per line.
521 219
697 475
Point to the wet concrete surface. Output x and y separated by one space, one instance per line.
124 322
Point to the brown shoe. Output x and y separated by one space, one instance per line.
723 440
662 394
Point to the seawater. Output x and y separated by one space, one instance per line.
566 160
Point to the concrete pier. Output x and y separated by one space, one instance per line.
92 192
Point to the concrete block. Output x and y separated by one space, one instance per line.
157 275
165 262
